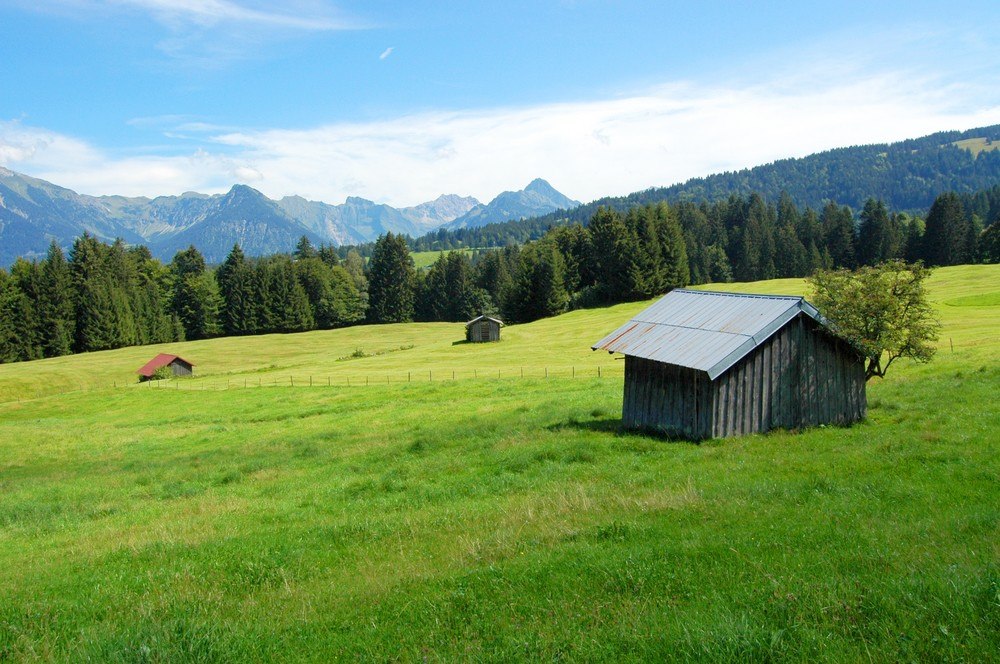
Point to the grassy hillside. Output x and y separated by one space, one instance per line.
494 519
977 145
424 259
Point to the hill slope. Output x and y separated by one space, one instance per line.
509 522
907 176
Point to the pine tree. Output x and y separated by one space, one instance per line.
238 311
989 243
92 297
27 278
537 289
641 223
346 306
328 254
16 324
195 300
674 268
616 268
56 307
305 249
946 235
390 281
874 234
838 234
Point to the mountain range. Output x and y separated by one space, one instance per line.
33 212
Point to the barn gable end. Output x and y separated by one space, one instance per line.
483 328
178 366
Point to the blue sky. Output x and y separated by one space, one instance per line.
401 101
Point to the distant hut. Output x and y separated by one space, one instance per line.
483 328
700 364
178 365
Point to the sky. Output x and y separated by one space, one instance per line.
399 102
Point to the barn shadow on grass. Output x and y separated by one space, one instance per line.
613 426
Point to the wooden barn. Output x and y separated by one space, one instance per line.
483 328
178 366
701 364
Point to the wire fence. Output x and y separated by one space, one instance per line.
383 378
339 380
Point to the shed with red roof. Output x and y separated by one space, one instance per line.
178 366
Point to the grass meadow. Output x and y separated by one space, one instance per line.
491 518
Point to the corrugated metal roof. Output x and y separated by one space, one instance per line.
161 360
704 330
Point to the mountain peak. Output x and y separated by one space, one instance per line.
243 190
538 198
540 186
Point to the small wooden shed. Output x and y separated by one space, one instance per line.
483 328
702 364
178 365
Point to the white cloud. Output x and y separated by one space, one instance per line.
210 33
587 149
211 12
386 53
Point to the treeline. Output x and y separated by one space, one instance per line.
982 205
108 296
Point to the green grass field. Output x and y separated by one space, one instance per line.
493 519
976 145
424 259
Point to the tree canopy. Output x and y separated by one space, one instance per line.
881 309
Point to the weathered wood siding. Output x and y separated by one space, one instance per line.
484 330
181 368
666 398
799 377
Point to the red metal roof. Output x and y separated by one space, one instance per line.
161 360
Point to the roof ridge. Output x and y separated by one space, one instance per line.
731 294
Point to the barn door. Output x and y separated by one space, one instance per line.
484 332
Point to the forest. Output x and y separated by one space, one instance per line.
100 296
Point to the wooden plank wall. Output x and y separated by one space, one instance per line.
800 377
666 398
475 331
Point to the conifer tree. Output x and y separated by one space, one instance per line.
92 296
946 234
238 311
874 234
56 306
616 267
305 249
390 281
537 289
195 300
346 306
838 234
674 268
